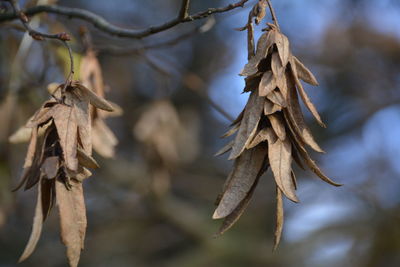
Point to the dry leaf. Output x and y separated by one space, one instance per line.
280 158
282 43
231 131
270 107
250 163
295 116
230 220
263 45
277 98
248 124
278 125
22 135
94 99
36 228
50 167
261 136
225 149
306 99
304 73
267 84
67 129
72 213
85 160
279 218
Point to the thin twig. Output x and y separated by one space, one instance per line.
35 34
184 11
117 51
274 18
39 36
71 59
103 25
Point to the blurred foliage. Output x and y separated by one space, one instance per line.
355 54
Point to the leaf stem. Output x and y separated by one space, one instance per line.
273 14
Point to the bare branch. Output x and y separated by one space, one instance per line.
103 25
120 51
35 34
39 36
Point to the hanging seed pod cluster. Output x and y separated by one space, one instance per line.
62 135
270 131
58 160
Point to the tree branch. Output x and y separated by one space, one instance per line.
39 36
119 51
103 25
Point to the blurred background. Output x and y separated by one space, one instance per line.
151 203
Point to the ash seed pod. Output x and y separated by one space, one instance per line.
271 131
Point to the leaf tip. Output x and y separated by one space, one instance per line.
217 214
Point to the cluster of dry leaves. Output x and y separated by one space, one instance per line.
164 135
270 131
62 134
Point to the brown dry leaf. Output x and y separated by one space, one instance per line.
246 172
314 167
30 175
231 131
42 116
295 118
279 218
82 174
294 179
270 107
277 98
263 45
248 125
94 99
278 125
36 228
304 96
117 111
238 118
297 158
67 129
279 73
48 196
252 83
282 43
232 218
225 149
261 136
31 148
267 84
50 167
22 135
72 212
276 66
90 73
280 158
104 140
86 160
80 105
304 73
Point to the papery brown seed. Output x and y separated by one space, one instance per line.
36 227
72 212
247 169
